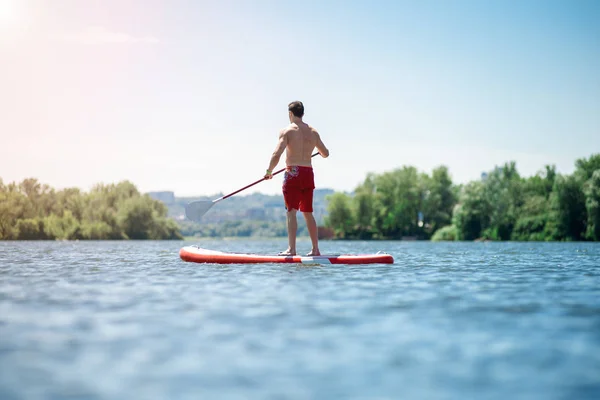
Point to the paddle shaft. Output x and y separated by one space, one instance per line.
252 184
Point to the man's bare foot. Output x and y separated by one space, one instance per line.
314 253
288 252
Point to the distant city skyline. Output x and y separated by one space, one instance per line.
189 96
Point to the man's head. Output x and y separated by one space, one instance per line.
296 109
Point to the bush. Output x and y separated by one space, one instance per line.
530 228
30 229
97 230
62 228
446 234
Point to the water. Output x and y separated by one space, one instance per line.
129 320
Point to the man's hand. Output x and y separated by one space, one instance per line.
269 175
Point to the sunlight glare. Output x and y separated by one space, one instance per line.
8 11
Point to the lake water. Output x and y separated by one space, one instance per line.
130 320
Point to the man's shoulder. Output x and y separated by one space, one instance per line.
289 128
304 127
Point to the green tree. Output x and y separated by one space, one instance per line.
30 229
503 193
585 168
13 206
592 203
540 184
135 218
568 212
364 208
398 200
64 227
98 230
71 200
472 214
363 211
532 220
439 199
340 217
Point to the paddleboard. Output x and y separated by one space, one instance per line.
199 255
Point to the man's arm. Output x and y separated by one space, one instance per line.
321 146
281 145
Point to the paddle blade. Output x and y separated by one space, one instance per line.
196 209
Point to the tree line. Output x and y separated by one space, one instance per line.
503 205
397 204
33 211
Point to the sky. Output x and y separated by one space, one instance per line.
189 96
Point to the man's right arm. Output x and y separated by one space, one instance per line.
281 145
321 146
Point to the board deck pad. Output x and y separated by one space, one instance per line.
199 255
322 255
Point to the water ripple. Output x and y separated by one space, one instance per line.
126 320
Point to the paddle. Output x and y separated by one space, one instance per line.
196 209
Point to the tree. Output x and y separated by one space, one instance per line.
541 183
364 208
71 200
585 168
64 227
340 217
503 192
592 204
472 214
135 218
363 211
30 229
398 199
13 206
439 199
98 230
568 209
532 220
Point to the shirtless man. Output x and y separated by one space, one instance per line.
298 140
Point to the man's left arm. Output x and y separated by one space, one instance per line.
281 145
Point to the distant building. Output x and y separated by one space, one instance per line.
165 197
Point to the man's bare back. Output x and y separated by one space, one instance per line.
299 140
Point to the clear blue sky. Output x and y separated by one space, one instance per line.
189 96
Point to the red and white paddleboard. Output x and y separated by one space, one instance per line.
200 255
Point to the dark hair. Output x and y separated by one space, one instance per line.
297 108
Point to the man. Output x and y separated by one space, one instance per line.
298 140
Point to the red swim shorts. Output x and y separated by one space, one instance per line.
298 186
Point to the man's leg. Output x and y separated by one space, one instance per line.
311 225
292 227
290 198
